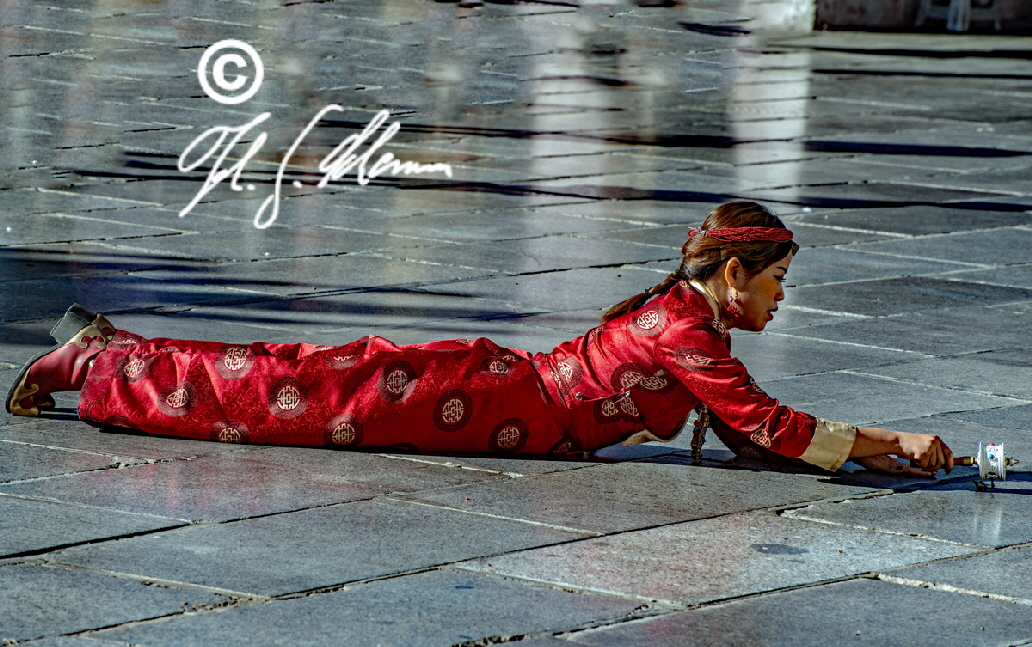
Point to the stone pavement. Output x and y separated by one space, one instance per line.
582 143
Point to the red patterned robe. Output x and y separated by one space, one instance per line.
633 379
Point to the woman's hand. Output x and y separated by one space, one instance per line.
889 464
927 451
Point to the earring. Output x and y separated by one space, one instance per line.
731 309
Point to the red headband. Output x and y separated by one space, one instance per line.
745 234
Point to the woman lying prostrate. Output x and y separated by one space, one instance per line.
655 359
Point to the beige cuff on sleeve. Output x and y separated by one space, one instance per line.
831 444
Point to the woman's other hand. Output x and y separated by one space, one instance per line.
927 451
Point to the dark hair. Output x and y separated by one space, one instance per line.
701 256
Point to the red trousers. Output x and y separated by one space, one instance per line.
452 396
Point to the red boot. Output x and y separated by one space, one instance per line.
62 368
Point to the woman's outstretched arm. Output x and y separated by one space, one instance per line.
873 448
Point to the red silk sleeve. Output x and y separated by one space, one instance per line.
696 353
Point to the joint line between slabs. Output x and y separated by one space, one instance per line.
157 581
947 588
453 465
413 501
887 378
848 343
978 548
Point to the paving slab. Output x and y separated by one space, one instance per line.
1002 372
719 558
254 481
305 274
919 220
626 496
118 445
33 526
577 289
1005 572
1001 246
911 294
440 607
865 399
946 331
19 461
41 601
1015 417
1015 275
537 254
252 244
769 356
955 512
854 263
837 614
371 308
58 228
313 548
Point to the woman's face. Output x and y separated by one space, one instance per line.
759 296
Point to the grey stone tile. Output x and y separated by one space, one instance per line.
251 244
833 264
40 601
627 496
1005 572
538 254
118 446
492 224
999 517
1014 417
789 317
866 195
772 356
513 467
1001 372
949 331
67 641
917 220
719 558
19 461
373 309
77 259
864 399
1015 275
313 548
306 275
996 246
636 212
839 613
50 297
30 525
903 295
247 483
568 290
28 229
440 607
